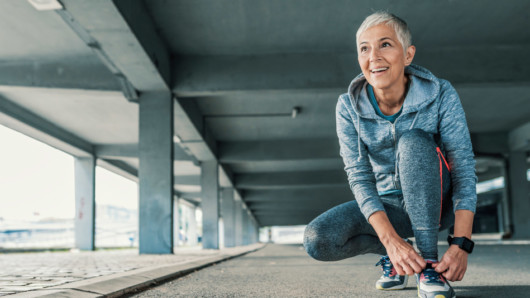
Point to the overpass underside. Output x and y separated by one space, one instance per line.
229 105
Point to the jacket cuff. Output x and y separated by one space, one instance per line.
462 206
370 206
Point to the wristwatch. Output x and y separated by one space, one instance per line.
463 242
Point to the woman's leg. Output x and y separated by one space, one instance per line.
343 232
423 174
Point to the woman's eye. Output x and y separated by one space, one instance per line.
386 44
364 49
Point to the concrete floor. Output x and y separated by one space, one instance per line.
287 271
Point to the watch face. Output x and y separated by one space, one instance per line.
468 245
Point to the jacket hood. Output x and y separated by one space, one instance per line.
424 88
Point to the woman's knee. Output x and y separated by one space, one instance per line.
315 242
415 138
416 143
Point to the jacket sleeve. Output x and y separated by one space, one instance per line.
456 140
361 177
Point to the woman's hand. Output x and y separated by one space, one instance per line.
405 259
454 262
453 265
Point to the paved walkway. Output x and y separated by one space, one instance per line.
93 274
286 271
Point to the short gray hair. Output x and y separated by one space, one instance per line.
383 17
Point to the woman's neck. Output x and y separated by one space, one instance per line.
391 100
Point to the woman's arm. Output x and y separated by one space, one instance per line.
361 176
456 141
457 144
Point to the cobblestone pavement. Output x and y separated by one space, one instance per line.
20 272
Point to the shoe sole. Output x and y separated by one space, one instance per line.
424 296
394 288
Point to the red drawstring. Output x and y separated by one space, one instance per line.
440 153
440 157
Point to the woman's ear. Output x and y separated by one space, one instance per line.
409 55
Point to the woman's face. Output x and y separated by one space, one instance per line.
381 57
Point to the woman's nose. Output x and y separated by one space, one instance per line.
374 54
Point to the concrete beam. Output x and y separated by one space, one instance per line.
291 180
188 180
490 143
32 125
490 173
300 195
86 73
119 167
113 151
519 138
127 37
295 205
319 149
268 219
190 130
190 195
207 75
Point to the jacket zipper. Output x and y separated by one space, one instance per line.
394 179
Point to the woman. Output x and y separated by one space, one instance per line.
396 126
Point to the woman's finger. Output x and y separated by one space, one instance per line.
408 270
415 267
449 274
440 267
399 269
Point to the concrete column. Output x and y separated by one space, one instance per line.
156 173
176 222
210 204
85 202
256 232
238 216
519 194
505 203
192 228
500 217
227 213
245 227
251 230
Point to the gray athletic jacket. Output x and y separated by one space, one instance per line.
368 142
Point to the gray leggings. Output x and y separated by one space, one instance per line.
343 232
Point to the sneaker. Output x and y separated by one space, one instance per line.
432 284
390 280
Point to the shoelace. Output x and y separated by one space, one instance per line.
431 274
386 264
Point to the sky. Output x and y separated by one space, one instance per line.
37 181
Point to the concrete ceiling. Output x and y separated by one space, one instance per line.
237 69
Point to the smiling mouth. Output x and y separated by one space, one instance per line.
376 70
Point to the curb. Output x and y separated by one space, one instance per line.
118 284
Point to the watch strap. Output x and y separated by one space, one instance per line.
463 242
